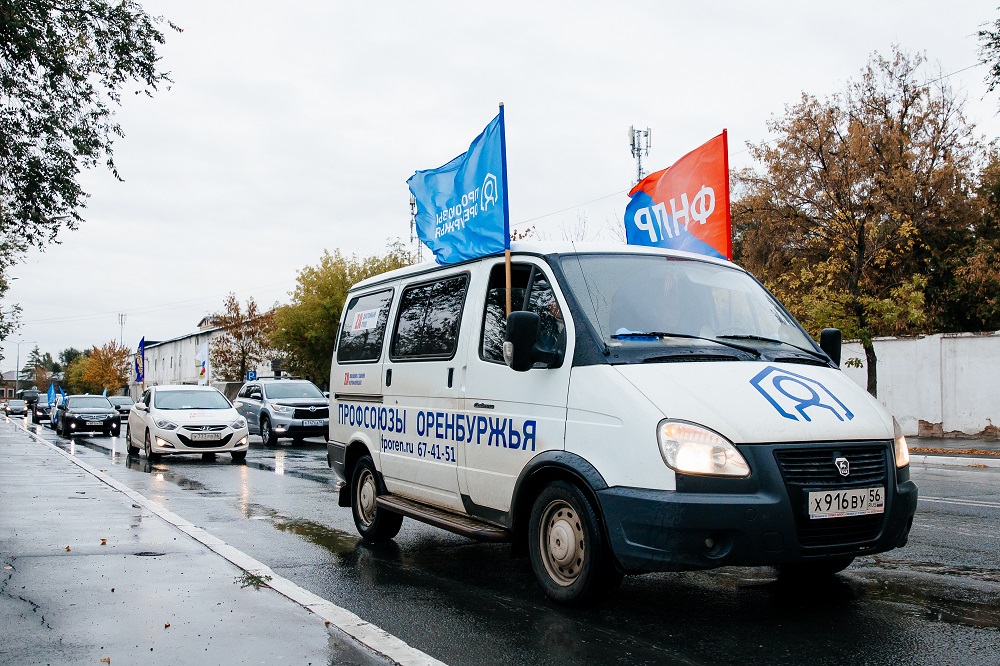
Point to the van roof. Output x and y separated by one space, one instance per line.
541 248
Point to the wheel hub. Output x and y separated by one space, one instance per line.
563 543
366 498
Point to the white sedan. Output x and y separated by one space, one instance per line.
186 419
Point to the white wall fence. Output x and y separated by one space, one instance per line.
945 385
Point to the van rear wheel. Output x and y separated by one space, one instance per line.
569 553
374 524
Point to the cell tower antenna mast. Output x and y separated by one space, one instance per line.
640 141
413 229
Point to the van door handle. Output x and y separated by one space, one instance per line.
451 376
388 377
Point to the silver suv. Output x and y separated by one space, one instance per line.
276 408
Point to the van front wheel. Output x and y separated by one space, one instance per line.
374 524
569 553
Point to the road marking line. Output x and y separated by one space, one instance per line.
961 502
371 636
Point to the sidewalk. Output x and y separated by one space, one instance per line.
94 573
954 451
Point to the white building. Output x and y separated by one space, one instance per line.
173 361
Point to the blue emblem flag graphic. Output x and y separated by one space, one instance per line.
462 206
140 362
52 393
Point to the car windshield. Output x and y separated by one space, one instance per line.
280 390
190 400
16 403
633 299
88 402
122 400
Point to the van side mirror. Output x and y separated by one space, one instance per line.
520 347
830 342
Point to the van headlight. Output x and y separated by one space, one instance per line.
901 449
693 449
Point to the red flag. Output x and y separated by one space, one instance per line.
686 205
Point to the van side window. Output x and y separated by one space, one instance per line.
429 318
541 301
364 327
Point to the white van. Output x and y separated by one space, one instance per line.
640 410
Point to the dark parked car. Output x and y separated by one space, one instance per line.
16 407
87 413
123 404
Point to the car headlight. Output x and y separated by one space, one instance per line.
284 409
901 449
238 424
693 449
164 424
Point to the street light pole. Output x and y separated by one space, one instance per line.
17 368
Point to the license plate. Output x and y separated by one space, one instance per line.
205 436
843 503
95 422
312 423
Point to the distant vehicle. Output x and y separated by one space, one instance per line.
30 396
123 404
16 407
176 419
276 408
86 413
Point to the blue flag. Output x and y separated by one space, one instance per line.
105 393
52 393
462 206
140 362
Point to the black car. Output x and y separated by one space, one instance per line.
40 411
87 413
123 404
16 408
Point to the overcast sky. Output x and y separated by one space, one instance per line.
292 127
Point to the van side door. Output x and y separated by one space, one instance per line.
511 417
424 375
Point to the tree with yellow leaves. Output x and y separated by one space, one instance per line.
850 217
107 368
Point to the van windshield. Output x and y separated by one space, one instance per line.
655 301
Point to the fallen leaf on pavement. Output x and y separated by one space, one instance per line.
104 542
166 625
67 549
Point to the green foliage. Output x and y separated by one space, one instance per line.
306 329
243 342
63 67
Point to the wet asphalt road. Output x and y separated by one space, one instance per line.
936 601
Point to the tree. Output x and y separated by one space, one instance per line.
63 68
306 329
107 368
860 197
73 376
989 52
243 342
67 355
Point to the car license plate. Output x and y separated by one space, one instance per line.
205 436
312 423
842 503
95 422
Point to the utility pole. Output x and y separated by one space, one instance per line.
121 328
639 140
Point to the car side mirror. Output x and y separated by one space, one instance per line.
520 347
830 342
140 406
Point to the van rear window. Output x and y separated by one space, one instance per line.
429 317
364 327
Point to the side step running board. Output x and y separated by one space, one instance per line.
463 525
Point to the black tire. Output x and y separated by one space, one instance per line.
239 456
132 449
150 456
266 433
374 524
818 570
62 429
569 552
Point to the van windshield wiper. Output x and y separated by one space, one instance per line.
662 334
811 352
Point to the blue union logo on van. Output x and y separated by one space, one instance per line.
798 397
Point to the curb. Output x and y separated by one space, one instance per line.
953 461
334 617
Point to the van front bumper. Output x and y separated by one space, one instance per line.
671 531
